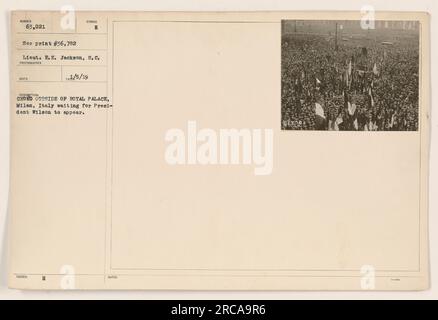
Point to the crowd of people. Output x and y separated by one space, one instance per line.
349 85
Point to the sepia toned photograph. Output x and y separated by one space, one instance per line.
345 75
147 152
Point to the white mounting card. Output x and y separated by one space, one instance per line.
219 151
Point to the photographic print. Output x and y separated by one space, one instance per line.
344 76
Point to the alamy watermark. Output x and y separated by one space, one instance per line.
222 147
67 281
368 279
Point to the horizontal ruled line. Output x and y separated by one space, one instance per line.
65 49
65 33
60 65
86 81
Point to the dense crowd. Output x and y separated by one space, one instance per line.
369 85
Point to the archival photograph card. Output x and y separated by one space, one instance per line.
219 151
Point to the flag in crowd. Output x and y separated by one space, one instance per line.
368 87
